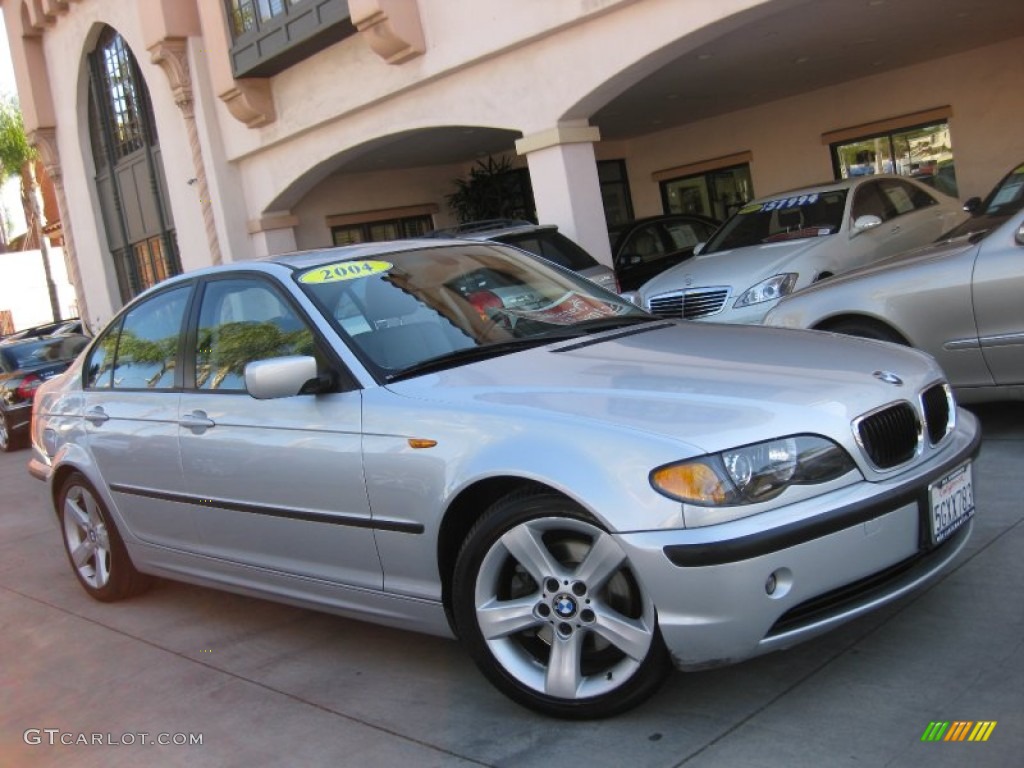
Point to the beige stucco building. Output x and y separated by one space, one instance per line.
182 133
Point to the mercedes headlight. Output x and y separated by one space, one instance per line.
773 288
752 473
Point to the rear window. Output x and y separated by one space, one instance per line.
62 349
553 246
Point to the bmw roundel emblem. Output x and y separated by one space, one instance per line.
888 377
565 606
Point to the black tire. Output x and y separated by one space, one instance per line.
866 328
525 559
94 546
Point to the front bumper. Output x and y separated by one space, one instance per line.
839 556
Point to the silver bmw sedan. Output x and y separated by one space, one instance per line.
458 439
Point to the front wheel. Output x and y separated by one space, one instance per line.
93 545
547 605
866 328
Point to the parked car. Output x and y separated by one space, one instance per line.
960 299
581 492
24 365
58 328
646 247
539 239
780 244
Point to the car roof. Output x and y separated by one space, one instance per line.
492 232
830 186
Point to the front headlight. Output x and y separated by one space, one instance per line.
773 288
752 473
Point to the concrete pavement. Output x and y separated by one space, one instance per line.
268 685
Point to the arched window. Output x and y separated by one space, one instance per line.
129 170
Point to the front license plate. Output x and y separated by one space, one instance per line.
951 502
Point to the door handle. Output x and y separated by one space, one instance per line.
197 421
96 416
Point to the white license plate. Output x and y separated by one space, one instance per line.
951 503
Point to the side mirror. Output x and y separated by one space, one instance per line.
280 377
866 222
698 249
1019 237
973 205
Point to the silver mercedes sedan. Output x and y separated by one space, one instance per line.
960 299
458 439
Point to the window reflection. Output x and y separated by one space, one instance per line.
241 321
142 352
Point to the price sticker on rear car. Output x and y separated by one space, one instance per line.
951 503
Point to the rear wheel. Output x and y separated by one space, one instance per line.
867 329
93 545
549 608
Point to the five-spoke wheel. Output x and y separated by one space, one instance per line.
93 545
548 606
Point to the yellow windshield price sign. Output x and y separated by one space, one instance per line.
344 270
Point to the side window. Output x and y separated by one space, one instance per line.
242 320
100 366
685 234
906 197
147 347
870 201
645 244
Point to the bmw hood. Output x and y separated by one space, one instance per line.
707 384
754 263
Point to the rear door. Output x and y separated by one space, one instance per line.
275 484
132 388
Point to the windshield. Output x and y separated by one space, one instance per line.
406 308
815 214
1008 197
553 246
1002 202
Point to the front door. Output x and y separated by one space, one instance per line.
277 484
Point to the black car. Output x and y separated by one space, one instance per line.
24 365
646 247
59 328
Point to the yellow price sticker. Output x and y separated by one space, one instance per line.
344 270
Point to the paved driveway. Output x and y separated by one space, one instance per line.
265 685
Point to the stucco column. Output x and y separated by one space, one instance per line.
171 55
273 234
563 171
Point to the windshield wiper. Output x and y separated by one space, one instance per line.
496 349
467 355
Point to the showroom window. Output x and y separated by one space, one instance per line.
920 150
387 229
715 188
